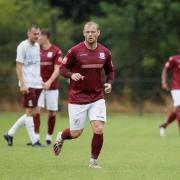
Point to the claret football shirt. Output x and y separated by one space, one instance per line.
89 63
173 64
49 58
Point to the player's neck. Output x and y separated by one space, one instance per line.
90 46
46 45
31 42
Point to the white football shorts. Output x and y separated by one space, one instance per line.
78 113
49 99
176 97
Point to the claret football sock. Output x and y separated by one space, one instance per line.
37 123
96 145
66 134
51 124
171 117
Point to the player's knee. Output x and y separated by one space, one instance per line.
98 130
52 113
76 134
29 112
98 127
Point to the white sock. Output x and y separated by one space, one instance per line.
30 129
49 137
93 160
59 138
37 136
19 123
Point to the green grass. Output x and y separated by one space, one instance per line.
133 150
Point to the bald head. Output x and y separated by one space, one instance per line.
90 24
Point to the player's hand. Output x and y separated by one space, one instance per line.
46 85
24 90
107 88
77 77
165 86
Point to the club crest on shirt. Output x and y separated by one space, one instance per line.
101 55
50 54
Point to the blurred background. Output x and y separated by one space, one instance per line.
140 34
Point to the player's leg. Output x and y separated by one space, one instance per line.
97 116
178 116
51 99
37 123
77 118
37 117
176 99
51 124
12 131
171 117
36 120
31 109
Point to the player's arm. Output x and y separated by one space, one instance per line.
19 67
23 88
164 74
109 71
55 74
66 65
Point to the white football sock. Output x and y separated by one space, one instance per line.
30 129
37 136
49 137
19 123
59 138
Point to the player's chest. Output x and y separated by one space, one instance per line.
84 58
47 55
177 64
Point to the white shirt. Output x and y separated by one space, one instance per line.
29 56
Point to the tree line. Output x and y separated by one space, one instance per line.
141 35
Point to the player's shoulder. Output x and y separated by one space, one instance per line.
103 48
55 47
23 43
76 48
174 57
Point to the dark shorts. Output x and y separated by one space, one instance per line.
30 99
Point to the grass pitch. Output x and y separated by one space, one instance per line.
133 150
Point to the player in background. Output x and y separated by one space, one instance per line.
30 84
51 57
84 64
172 65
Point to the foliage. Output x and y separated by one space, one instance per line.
140 34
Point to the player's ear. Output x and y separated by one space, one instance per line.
98 32
83 33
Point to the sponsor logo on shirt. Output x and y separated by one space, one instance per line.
50 54
83 55
92 66
30 104
101 55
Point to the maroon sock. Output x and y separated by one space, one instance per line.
36 120
66 134
51 124
170 119
96 145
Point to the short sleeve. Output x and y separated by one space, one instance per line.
170 63
20 53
